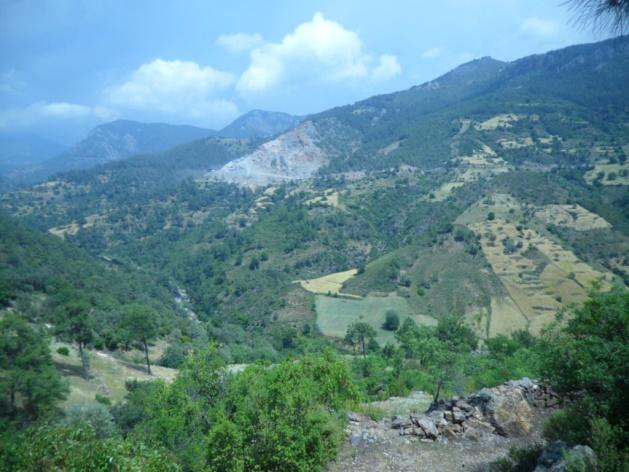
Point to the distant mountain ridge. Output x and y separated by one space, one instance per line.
20 149
357 136
121 139
260 124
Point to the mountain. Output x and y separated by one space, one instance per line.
111 142
260 124
497 192
23 149
358 136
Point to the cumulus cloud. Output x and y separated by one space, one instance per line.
41 111
164 85
319 49
179 88
239 42
387 68
432 53
539 27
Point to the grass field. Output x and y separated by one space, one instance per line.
109 374
334 314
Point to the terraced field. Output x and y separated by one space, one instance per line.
612 173
572 216
540 275
481 163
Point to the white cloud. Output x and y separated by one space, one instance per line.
432 53
239 42
539 27
41 111
180 89
317 50
387 68
169 85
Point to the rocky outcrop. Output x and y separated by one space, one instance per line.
506 410
294 155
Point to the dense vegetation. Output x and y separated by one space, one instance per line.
419 185
289 416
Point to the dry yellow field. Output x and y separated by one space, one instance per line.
330 284
516 143
536 295
498 121
482 163
607 168
329 197
572 216
505 317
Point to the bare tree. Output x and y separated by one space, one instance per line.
610 15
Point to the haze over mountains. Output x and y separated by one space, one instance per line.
385 178
33 159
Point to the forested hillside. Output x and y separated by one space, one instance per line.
445 238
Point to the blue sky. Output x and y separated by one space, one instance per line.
67 65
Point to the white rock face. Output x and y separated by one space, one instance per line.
293 155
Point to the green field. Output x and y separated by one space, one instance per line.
109 374
334 315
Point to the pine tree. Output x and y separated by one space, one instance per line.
74 322
29 382
141 324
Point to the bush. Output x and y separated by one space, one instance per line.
103 400
77 447
569 426
63 351
520 459
97 417
391 321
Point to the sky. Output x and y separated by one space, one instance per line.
69 65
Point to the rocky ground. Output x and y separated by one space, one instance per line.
463 434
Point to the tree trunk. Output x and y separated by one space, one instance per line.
85 362
146 354
437 392
12 398
364 351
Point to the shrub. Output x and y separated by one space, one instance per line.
520 459
97 417
391 320
63 351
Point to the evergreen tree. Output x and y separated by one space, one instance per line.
28 378
141 324
74 322
360 333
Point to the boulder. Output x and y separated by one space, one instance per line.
481 426
401 422
458 416
464 406
353 417
429 428
506 409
